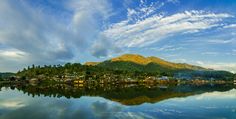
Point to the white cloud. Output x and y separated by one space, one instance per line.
230 26
103 47
86 24
210 53
219 66
217 95
29 31
12 53
157 27
143 10
45 40
200 62
220 41
173 1
224 66
12 104
232 53
166 48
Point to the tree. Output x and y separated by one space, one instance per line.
33 66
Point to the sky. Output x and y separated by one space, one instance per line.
43 32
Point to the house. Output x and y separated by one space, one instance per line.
70 76
33 81
151 78
79 81
163 78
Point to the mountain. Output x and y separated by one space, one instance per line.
135 62
138 59
126 66
153 65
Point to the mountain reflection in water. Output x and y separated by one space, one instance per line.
135 101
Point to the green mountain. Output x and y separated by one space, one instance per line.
154 65
138 59
134 62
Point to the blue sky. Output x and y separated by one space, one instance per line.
199 32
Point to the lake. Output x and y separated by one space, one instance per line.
118 102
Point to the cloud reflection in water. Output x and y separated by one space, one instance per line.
206 105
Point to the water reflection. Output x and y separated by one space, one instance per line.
184 101
125 94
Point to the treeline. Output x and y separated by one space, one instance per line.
206 74
51 70
161 70
5 75
77 69
118 70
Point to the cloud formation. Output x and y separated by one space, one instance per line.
230 26
218 66
30 32
39 38
155 28
220 41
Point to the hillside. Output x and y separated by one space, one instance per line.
154 60
153 65
125 66
134 62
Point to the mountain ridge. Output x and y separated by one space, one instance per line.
145 61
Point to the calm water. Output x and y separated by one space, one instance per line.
160 102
